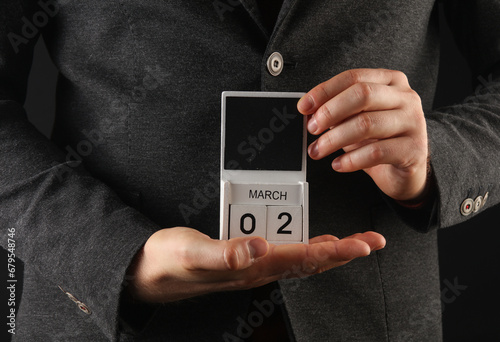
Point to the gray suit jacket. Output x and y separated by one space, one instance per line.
136 149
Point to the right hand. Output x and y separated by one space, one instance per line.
178 263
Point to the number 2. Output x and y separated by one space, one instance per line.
281 229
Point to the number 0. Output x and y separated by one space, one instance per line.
282 230
242 223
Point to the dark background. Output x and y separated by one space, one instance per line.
469 253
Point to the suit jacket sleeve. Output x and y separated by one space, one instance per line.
69 226
464 138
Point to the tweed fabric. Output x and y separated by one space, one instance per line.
136 142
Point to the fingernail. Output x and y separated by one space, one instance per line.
314 150
312 126
336 165
258 248
305 104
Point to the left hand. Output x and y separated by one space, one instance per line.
377 119
180 262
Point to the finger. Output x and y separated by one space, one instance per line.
234 254
359 128
299 260
361 97
323 92
400 151
360 144
323 238
375 240
285 259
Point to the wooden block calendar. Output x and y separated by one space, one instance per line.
263 167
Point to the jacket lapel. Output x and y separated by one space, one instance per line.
253 10
285 9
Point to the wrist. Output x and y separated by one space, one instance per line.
425 196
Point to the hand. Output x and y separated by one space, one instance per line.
378 120
178 263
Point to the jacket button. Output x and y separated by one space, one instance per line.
478 202
485 198
275 64
70 296
467 207
84 308
80 305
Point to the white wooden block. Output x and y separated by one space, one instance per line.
247 220
284 223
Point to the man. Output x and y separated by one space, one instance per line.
138 103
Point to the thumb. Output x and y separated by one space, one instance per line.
234 254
